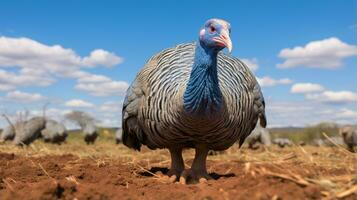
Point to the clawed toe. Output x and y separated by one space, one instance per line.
190 175
187 176
173 175
173 178
168 179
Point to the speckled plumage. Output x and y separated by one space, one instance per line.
192 96
8 133
282 142
349 135
29 131
154 114
90 133
258 136
54 132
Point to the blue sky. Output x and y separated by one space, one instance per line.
317 81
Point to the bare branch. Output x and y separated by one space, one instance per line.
8 121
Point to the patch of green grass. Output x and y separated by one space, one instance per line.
307 134
104 135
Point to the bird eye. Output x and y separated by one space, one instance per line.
212 29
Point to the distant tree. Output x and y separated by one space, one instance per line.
80 118
87 124
25 131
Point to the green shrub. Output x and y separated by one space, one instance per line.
307 134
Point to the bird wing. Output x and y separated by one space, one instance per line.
149 106
164 73
45 133
238 79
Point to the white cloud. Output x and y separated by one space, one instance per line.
251 63
28 53
304 88
98 85
346 114
6 87
316 92
110 122
286 113
327 53
111 107
51 113
40 64
334 96
100 57
78 103
270 82
93 78
26 77
23 97
302 113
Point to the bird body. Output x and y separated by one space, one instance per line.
90 133
318 142
54 132
258 136
86 123
333 141
118 136
193 96
282 142
7 134
155 103
349 135
29 131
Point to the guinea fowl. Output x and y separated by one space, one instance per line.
87 124
90 133
193 96
349 135
118 136
29 131
54 132
259 136
7 134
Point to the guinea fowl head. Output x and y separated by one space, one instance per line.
203 95
215 35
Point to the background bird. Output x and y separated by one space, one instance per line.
9 131
349 135
29 131
87 124
54 132
118 136
259 136
7 134
193 96
90 133
282 142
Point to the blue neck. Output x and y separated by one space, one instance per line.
202 95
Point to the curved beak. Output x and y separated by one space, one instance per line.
224 40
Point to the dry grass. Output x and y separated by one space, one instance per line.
323 164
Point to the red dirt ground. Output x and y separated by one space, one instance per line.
70 177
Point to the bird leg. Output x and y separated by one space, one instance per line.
177 164
198 171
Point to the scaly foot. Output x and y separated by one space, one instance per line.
173 175
200 176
